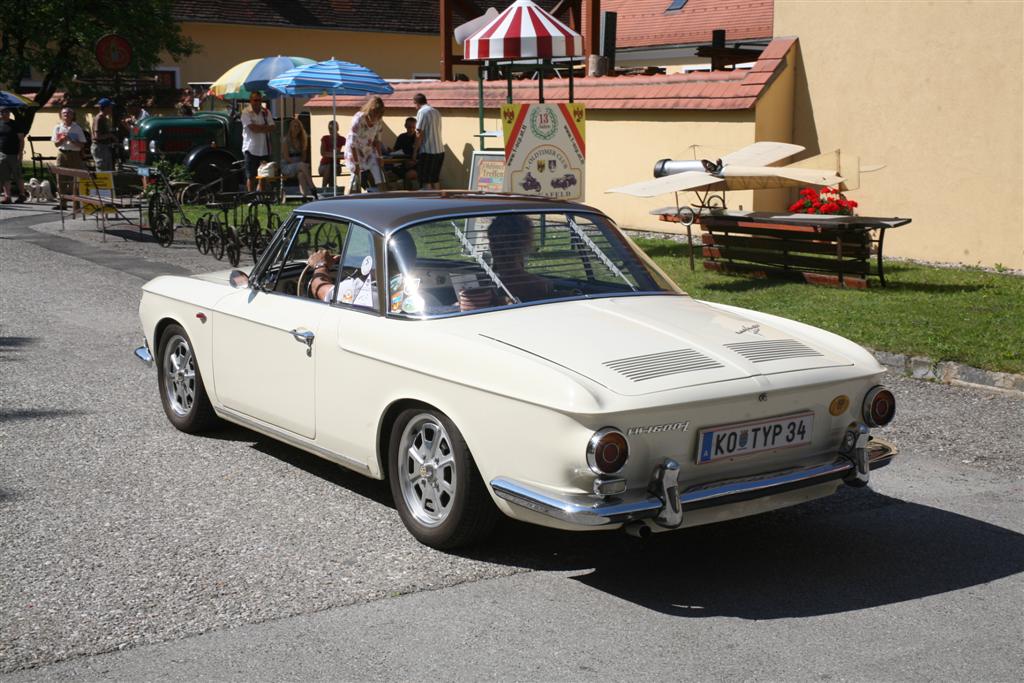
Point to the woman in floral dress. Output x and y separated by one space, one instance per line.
362 148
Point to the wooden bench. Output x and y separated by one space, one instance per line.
102 203
829 250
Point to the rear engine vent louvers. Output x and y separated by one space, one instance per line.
767 350
640 368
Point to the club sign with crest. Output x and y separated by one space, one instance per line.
545 149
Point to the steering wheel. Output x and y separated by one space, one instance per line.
302 276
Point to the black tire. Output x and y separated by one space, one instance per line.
182 392
442 502
212 167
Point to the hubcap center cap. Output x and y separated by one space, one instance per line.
427 471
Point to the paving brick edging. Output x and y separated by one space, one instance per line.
920 367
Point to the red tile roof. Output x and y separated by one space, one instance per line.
646 23
737 89
392 16
641 23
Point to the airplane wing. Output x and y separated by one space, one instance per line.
770 177
678 182
761 154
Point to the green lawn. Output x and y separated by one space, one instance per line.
948 314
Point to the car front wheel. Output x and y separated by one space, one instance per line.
434 482
181 386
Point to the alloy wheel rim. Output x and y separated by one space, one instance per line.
427 470
180 376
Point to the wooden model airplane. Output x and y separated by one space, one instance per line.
746 169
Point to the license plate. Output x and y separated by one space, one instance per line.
744 438
142 171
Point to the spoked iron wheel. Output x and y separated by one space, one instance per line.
202 235
163 227
233 249
217 241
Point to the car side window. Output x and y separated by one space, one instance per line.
287 257
357 274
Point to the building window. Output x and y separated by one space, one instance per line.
676 5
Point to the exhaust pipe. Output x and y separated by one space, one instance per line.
638 530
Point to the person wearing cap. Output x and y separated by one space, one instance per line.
103 136
69 138
12 143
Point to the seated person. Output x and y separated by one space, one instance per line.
295 165
511 240
406 145
402 262
326 154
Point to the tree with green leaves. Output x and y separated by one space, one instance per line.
56 40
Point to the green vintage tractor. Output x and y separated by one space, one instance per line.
207 144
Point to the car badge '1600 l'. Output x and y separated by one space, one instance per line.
654 429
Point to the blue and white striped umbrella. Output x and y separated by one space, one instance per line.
332 77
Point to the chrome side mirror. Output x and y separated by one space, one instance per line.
238 279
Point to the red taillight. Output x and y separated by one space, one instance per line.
879 407
607 451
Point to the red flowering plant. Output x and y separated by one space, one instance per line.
827 200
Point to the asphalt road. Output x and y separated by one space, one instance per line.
131 551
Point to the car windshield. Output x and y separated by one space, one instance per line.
474 263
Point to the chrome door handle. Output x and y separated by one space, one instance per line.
305 336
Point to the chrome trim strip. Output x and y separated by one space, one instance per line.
589 510
143 354
292 440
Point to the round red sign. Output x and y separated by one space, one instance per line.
113 52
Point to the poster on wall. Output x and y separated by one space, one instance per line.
545 149
487 172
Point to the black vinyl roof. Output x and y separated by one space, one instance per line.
388 211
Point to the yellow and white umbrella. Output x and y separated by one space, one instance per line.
237 82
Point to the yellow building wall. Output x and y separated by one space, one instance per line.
934 90
622 147
774 123
222 46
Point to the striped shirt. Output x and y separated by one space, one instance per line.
428 122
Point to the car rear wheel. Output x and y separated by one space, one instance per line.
435 484
181 386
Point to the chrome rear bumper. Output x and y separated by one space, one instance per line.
592 510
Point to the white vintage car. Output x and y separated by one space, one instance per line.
510 354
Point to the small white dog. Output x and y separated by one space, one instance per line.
40 191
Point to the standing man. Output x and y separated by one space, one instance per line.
103 136
69 138
428 152
257 125
12 140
